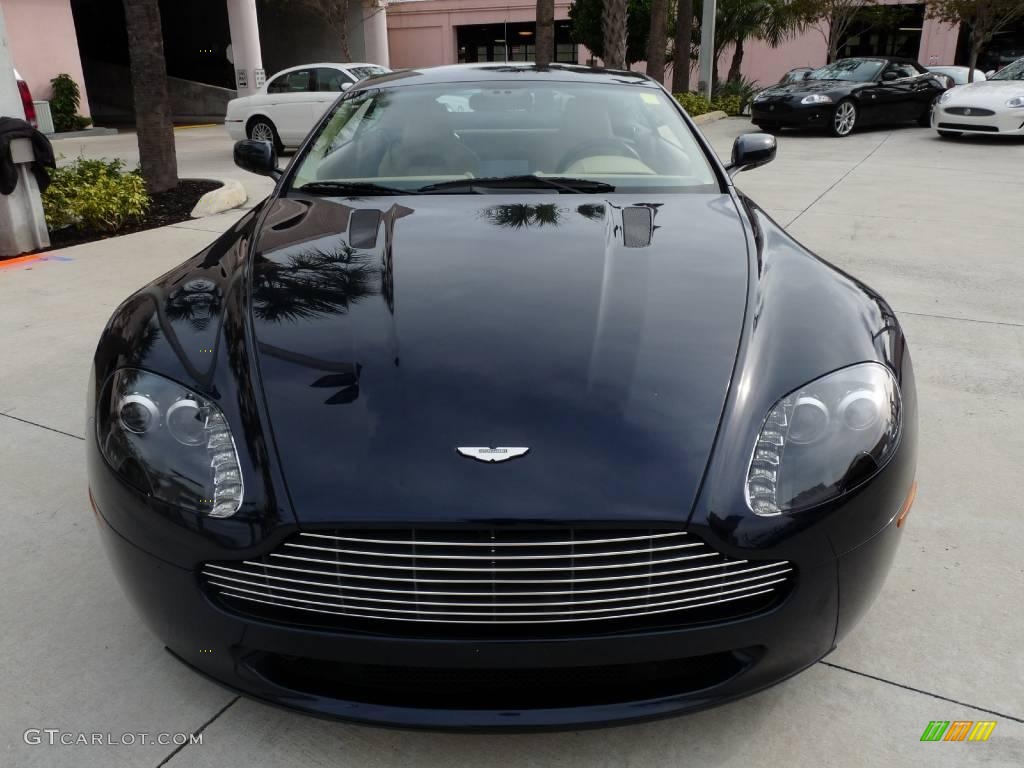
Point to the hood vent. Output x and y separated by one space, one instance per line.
637 226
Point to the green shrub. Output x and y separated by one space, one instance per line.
744 88
64 105
94 195
693 103
731 105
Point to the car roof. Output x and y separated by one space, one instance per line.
325 64
501 71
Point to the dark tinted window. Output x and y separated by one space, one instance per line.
331 80
298 81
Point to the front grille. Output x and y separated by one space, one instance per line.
969 127
490 577
502 689
972 111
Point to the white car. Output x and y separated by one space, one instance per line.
288 106
959 74
993 107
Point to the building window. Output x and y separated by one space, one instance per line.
510 42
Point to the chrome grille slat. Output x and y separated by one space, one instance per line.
650 594
486 614
407 579
503 570
506 621
264 575
497 576
569 555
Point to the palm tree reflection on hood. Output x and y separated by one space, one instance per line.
523 215
313 282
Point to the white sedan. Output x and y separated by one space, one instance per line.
959 75
993 107
288 106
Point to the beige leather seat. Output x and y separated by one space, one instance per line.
426 144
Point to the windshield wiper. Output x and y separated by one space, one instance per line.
530 180
351 188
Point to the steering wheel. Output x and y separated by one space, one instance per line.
595 147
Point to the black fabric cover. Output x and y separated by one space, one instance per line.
12 128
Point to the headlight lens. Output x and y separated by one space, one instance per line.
170 442
946 96
1016 102
824 439
761 96
816 98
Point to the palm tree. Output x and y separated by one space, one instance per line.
313 283
523 215
545 38
153 120
613 24
681 47
740 20
657 40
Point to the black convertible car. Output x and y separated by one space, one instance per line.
505 410
851 93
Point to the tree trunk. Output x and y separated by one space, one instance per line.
737 62
545 37
972 59
613 25
149 90
684 38
657 40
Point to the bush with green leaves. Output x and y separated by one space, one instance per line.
731 105
64 105
743 88
95 196
693 103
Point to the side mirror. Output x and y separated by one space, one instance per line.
806 74
990 73
751 150
346 86
257 157
887 76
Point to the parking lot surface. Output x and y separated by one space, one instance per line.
935 226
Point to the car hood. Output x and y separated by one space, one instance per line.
988 93
392 330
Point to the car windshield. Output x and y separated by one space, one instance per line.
547 135
854 70
1014 71
361 73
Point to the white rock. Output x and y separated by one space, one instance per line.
231 195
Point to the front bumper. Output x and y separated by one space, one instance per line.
1006 122
588 679
787 114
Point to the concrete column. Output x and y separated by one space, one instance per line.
247 56
22 224
375 32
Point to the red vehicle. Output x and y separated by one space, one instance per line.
26 100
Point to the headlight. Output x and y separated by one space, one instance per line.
761 96
169 442
816 98
824 439
946 96
1016 102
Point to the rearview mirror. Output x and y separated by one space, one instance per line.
257 157
751 150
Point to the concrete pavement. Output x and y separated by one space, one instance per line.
933 225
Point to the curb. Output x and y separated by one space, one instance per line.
709 117
87 133
231 195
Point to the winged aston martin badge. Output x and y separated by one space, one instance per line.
491 454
